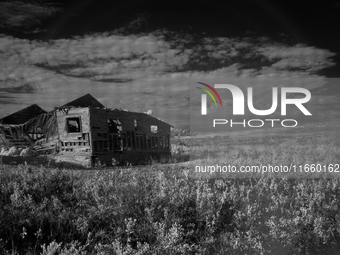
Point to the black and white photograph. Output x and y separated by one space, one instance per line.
182 127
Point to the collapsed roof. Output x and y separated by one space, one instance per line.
36 116
23 115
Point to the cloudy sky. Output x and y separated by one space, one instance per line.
141 55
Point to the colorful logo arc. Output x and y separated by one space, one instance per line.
212 89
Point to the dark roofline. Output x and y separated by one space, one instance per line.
16 115
84 101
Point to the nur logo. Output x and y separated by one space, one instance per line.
238 99
204 97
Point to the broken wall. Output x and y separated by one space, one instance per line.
74 135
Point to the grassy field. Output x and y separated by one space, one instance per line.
297 148
160 209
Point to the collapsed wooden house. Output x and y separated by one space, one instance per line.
85 132
12 131
23 115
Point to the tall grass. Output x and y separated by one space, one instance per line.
159 209
153 210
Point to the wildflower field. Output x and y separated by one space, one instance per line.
170 209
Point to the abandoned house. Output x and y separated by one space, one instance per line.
85 132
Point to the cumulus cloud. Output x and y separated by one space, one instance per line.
110 57
298 57
97 55
148 71
26 88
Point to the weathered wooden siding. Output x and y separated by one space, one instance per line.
134 142
99 119
100 130
75 146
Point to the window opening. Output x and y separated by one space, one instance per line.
115 125
73 125
154 129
